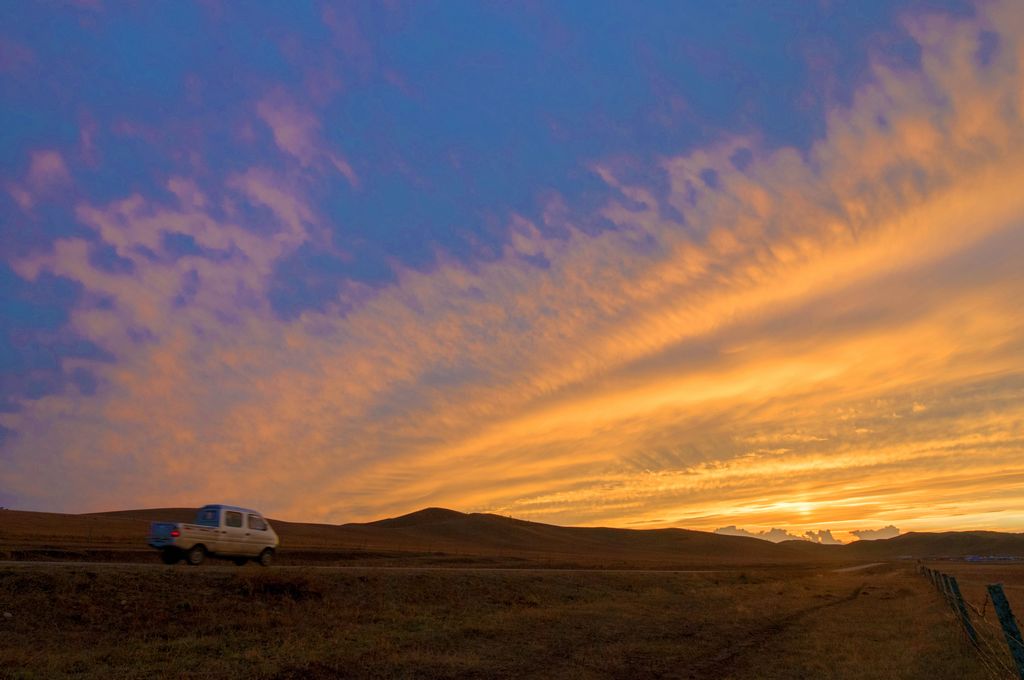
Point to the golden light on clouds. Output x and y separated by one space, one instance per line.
822 340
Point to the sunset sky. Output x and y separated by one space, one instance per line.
695 264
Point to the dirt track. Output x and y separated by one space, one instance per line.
858 567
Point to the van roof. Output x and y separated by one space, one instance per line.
221 506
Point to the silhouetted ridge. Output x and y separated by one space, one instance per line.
418 518
943 544
149 514
440 529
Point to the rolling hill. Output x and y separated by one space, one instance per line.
941 544
460 532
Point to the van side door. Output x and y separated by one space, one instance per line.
257 534
208 529
233 539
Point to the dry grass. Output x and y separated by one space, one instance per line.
134 622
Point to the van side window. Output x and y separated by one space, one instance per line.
208 517
256 522
233 519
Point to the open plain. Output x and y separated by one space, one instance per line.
440 594
130 621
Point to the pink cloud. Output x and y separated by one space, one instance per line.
349 37
21 196
346 170
297 133
294 131
46 172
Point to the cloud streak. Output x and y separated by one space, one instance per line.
828 338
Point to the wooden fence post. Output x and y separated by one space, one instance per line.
1010 629
961 608
947 590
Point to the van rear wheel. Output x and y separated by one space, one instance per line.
195 555
266 557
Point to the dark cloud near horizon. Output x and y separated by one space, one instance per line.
823 536
876 534
773 535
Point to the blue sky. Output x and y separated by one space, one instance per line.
455 115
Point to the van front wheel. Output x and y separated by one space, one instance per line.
266 557
196 555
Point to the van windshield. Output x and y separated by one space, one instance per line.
208 517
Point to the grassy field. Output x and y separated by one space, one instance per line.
126 621
482 596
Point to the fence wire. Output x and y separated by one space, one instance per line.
997 659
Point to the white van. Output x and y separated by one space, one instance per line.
238 534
